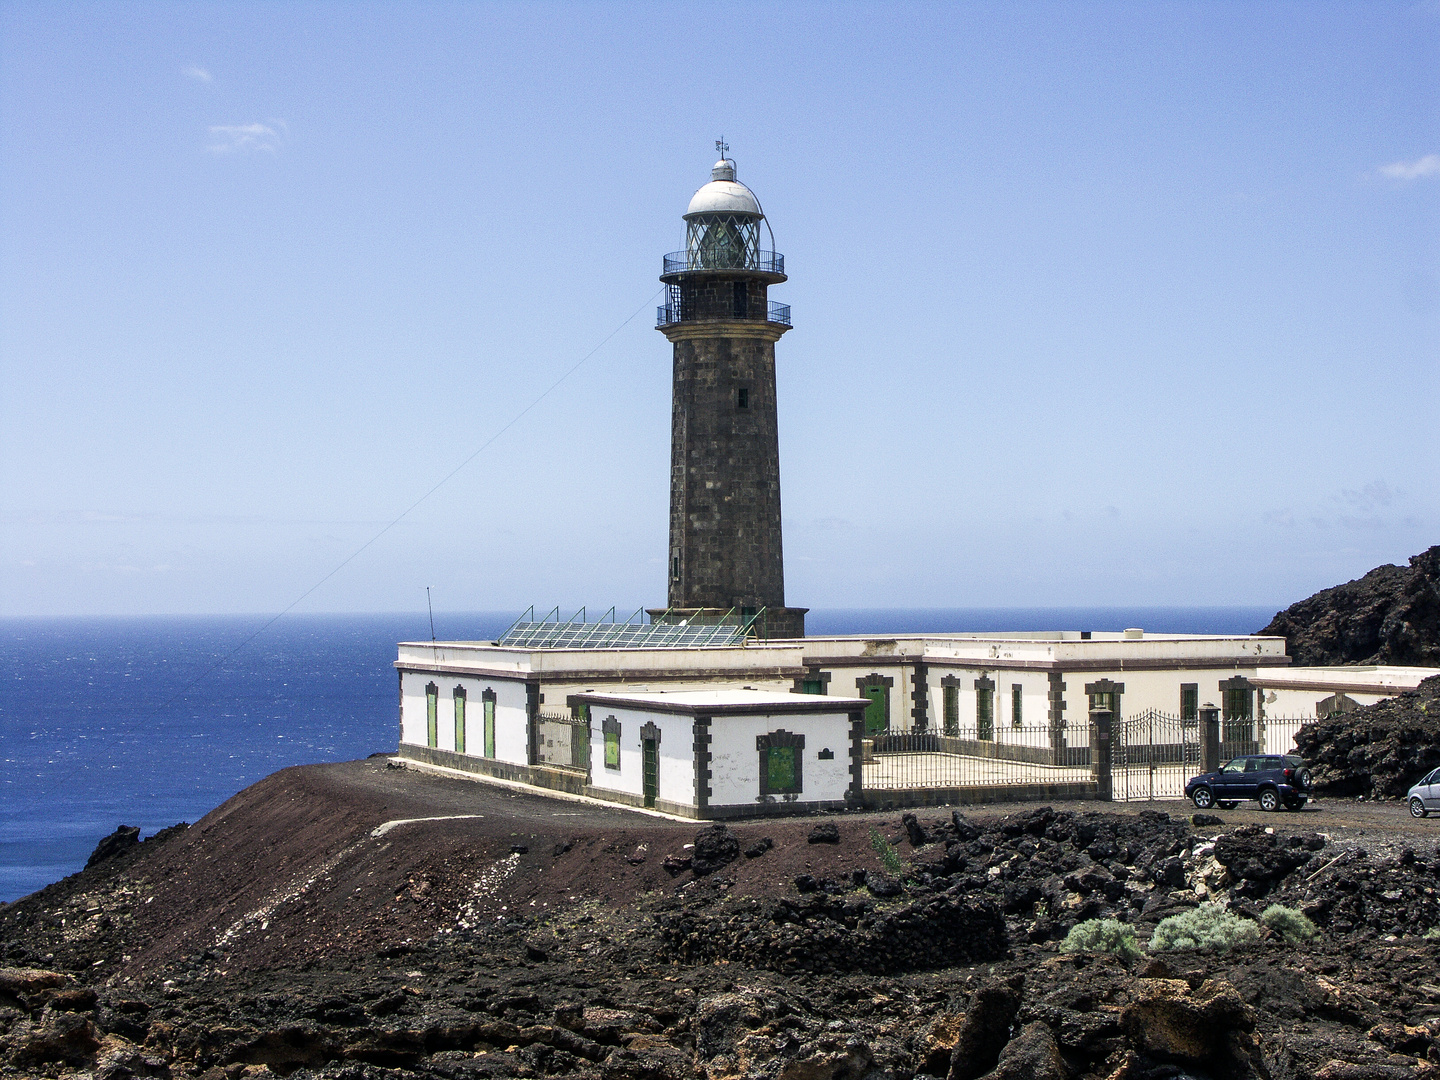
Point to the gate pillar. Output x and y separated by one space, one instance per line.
1100 725
1209 738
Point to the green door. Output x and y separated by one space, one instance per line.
651 772
432 707
459 721
490 727
877 716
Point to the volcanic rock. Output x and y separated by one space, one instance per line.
121 840
1389 616
986 1028
715 847
1031 1055
1376 751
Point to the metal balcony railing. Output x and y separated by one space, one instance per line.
668 314
766 262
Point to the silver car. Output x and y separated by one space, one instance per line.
1425 795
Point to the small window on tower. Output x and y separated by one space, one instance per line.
742 397
675 567
741 305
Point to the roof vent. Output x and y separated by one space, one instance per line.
1134 633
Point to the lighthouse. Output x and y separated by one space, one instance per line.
725 541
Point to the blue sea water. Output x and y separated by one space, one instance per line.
150 721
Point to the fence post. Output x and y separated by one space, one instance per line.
1209 738
1100 723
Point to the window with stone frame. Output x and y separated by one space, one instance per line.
432 715
1017 704
1190 702
459 696
781 763
611 730
1237 700
951 709
487 715
985 708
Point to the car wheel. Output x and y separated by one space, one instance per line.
1269 800
1203 798
1417 808
1302 779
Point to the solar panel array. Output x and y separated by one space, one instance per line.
621 635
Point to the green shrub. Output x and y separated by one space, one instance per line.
1288 923
1208 928
889 857
1103 936
1433 934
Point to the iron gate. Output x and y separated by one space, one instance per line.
1153 754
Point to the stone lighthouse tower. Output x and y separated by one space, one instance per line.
725 549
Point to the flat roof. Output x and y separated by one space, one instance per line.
1362 678
720 701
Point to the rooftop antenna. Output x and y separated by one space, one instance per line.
431 608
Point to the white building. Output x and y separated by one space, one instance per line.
924 708
1320 691
723 753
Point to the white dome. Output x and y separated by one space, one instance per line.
724 194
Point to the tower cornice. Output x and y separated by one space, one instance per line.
718 328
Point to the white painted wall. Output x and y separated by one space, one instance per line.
735 763
676 779
509 714
1034 705
1285 704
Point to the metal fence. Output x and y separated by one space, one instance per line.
562 741
1010 756
1152 755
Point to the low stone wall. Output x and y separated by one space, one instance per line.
893 798
571 781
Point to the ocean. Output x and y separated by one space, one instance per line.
150 721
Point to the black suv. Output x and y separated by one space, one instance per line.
1275 779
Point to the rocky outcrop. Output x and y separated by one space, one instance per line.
1389 616
117 843
1377 751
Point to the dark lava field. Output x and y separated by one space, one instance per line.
359 920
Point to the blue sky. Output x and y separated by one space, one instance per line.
1094 303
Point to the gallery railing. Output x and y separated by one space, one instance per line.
738 258
669 314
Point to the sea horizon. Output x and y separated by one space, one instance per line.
149 720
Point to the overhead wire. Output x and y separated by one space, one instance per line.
404 513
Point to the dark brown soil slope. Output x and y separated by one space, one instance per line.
1389 616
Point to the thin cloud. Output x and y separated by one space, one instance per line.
199 74
1429 165
247 138
1374 495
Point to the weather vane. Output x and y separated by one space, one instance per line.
722 146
